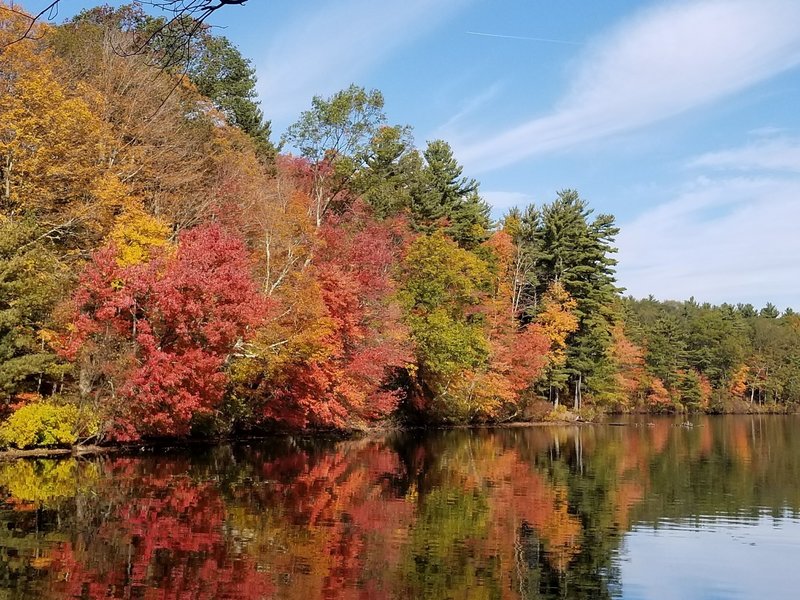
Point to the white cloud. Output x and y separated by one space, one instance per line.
720 240
325 50
766 131
663 61
781 154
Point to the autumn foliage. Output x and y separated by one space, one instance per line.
151 339
165 269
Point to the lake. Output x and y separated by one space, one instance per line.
644 509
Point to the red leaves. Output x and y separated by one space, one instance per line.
173 531
340 357
175 319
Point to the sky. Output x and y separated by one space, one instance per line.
680 117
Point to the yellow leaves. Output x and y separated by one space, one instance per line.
557 320
136 234
477 395
52 144
109 191
47 481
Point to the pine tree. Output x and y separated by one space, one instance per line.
31 278
577 253
445 198
391 171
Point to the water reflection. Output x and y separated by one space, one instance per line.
547 512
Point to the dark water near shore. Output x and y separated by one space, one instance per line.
646 510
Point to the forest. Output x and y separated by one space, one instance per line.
168 269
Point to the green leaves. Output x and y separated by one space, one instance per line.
338 128
31 280
446 199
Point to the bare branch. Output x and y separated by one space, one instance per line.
181 12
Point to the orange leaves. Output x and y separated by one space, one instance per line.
738 383
329 356
658 398
631 378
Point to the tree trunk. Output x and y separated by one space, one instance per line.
578 400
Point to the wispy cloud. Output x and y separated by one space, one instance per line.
730 239
522 37
467 107
659 63
324 50
780 154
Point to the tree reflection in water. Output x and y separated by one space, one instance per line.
495 513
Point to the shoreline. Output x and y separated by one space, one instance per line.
91 450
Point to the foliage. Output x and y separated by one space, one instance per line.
160 332
577 253
52 143
334 136
445 198
223 75
43 424
443 285
163 267
136 235
31 279
326 361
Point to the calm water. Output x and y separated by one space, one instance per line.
646 510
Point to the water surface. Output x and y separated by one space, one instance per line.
650 509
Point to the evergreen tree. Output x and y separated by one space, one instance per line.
666 349
228 79
577 253
770 311
446 198
390 173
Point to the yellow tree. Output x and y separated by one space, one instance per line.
53 146
557 320
168 141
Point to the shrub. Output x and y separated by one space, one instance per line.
41 424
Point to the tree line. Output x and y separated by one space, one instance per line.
166 269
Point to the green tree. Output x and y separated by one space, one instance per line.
770 311
228 79
390 173
441 283
335 136
31 281
666 349
445 198
578 253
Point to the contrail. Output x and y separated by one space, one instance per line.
522 37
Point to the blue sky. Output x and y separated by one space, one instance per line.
682 118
